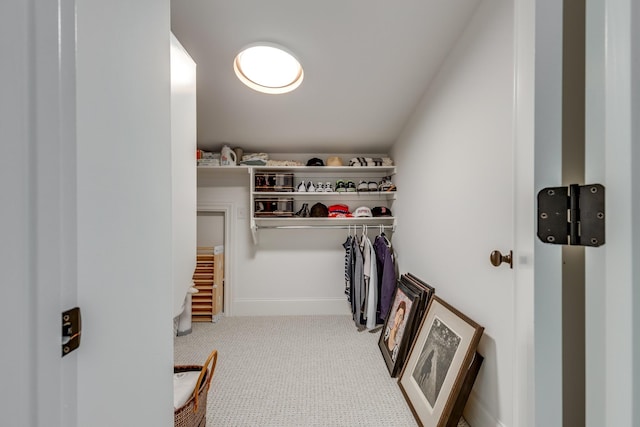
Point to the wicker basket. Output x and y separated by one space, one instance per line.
194 412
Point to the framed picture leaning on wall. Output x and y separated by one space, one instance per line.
438 364
396 333
426 292
409 325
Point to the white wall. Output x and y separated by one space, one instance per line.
210 228
183 171
455 196
124 213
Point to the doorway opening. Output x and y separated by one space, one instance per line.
214 229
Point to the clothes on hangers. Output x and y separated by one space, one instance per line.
386 273
357 283
370 278
348 265
371 284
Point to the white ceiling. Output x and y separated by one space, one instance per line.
366 63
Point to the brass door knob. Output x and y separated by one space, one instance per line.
497 258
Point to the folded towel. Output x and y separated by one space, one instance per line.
184 383
253 162
255 156
284 163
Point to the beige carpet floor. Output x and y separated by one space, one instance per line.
295 371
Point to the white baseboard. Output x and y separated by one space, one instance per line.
290 307
477 414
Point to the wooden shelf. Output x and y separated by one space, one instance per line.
208 279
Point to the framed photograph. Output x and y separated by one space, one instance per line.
438 364
395 337
418 281
426 292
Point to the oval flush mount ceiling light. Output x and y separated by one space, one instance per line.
268 68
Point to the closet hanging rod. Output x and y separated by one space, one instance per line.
339 227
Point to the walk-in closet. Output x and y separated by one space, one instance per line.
191 237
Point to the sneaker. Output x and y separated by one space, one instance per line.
319 188
386 184
373 186
363 186
301 188
351 186
328 188
310 187
341 187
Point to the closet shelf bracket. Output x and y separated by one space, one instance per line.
254 232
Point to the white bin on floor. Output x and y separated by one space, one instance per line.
184 320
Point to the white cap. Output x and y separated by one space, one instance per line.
362 211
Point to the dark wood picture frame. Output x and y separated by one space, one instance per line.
397 331
440 367
427 291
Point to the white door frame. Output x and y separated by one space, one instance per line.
524 146
537 162
613 159
229 237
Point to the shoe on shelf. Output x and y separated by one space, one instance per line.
351 186
304 211
341 187
373 186
301 188
310 187
386 184
363 186
319 188
328 188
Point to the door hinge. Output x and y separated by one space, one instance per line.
572 215
71 330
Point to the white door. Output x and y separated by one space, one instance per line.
479 190
38 257
85 221
471 189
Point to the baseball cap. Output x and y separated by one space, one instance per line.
339 211
319 210
334 161
381 211
362 211
315 162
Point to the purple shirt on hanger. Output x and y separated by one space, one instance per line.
386 274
